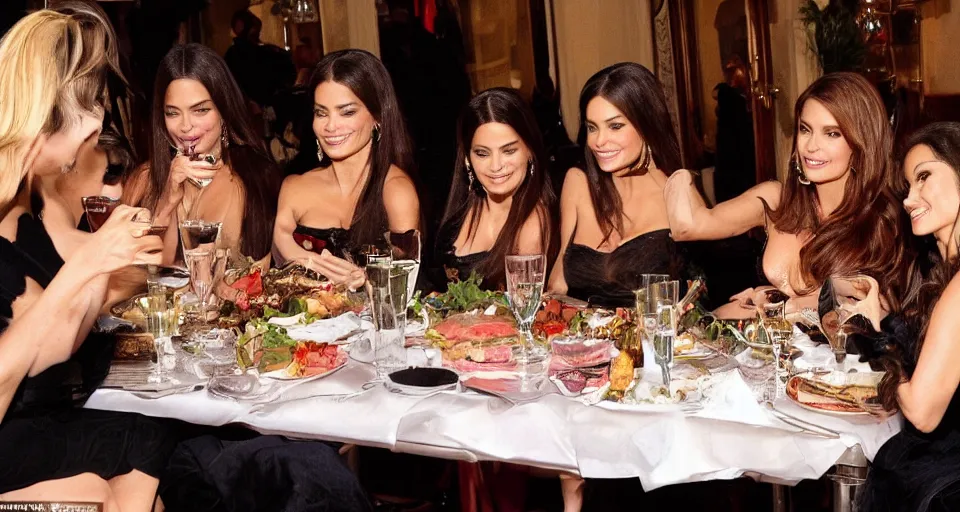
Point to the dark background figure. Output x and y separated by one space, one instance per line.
735 166
429 75
263 71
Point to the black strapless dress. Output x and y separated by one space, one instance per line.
912 471
609 279
459 268
45 435
335 240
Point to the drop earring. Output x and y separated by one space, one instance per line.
376 132
319 151
224 139
801 177
466 162
530 167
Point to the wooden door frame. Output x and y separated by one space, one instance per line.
677 64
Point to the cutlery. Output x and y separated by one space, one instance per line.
802 424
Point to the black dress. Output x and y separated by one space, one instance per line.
335 240
44 430
459 268
913 471
609 279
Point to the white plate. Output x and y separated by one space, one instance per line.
283 375
831 413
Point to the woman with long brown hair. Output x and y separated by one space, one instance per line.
361 188
207 160
919 468
613 220
834 213
501 202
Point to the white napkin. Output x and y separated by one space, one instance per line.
330 330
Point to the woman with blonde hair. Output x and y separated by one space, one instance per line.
53 68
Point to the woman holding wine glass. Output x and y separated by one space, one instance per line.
52 79
208 161
361 189
501 202
919 468
613 218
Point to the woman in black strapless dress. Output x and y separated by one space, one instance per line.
501 202
613 219
919 468
361 189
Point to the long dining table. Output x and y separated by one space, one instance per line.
731 436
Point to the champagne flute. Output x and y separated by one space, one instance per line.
525 276
664 296
779 332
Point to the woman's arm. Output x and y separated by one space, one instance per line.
401 202
690 218
32 343
573 185
286 223
924 398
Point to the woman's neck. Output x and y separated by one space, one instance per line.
830 195
352 171
497 207
947 241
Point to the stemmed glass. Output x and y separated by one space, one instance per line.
204 259
664 296
779 332
406 250
525 276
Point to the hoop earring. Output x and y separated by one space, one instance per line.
530 167
852 170
801 177
319 151
376 132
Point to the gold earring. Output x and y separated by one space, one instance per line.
801 177
319 151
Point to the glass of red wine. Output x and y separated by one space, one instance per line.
98 210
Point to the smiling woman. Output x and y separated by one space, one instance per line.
362 187
501 202
835 213
613 219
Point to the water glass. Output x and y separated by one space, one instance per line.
388 343
525 276
161 320
646 310
664 297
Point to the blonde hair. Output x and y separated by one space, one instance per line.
52 71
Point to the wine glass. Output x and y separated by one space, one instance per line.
646 309
204 259
664 296
525 276
98 210
406 250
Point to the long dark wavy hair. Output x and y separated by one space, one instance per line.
865 234
368 80
534 196
246 154
636 92
929 274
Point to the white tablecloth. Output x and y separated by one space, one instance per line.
731 436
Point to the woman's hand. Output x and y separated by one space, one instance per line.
120 242
183 168
338 270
